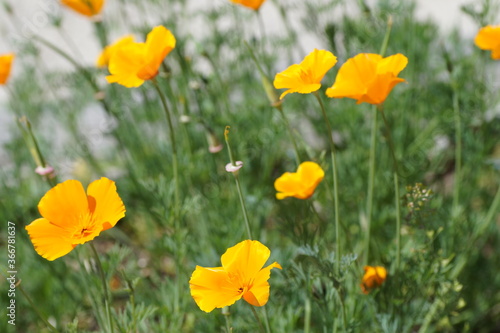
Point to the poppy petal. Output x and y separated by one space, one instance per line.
245 259
258 294
64 204
105 203
50 241
212 288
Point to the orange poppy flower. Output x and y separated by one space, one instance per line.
5 66
85 7
368 77
300 184
133 63
71 217
488 38
373 278
109 50
305 77
241 276
252 4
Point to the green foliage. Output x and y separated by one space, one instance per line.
448 278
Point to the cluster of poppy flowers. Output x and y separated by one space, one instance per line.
72 216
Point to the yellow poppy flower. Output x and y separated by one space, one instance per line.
368 77
85 7
252 4
109 50
5 66
488 38
300 184
241 275
71 217
373 278
305 77
132 64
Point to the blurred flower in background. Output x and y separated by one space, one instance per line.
84 7
373 278
368 77
300 184
5 66
488 38
252 4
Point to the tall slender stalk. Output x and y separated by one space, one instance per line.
335 183
50 327
174 151
458 150
238 186
261 327
107 298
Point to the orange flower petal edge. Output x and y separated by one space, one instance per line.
305 77
252 4
71 217
488 38
132 64
300 184
109 50
368 77
85 7
5 67
374 277
242 275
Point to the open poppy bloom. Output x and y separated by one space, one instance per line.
241 275
488 38
85 7
373 278
5 66
109 50
133 63
305 77
71 217
368 77
300 184
252 4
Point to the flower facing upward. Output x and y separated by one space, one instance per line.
133 63
5 66
71 217
241 275
305 77
85 7
252 4
488 38
368 77
374 277
300 184
109 50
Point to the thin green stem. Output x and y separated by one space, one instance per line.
307 315
290 134
387 35
261 327
458 150
238 186
335 183
226 314
266 320
107 298
174 150
371 181
35 308
396 187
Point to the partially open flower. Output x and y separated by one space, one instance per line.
305 77
133 63
300 184
71 217
5 66
488 38
242 275
368 77
85 7
252 4
373 278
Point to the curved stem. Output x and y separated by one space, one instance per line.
371 181
35 308
107 298
290 134
335 184
174 150
261 327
